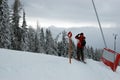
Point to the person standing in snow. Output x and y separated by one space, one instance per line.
80 46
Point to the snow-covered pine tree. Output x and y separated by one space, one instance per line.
64 44
5 39
90 52
24 35
37 39
60 47
24 24
42 40
16 30
36 43
57 37
98 54
94 53
31 37
50 48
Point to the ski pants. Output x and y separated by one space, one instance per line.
80 53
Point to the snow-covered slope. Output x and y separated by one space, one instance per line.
18 65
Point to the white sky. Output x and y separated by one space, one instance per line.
72 13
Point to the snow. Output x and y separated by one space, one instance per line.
18 65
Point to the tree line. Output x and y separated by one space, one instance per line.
21 37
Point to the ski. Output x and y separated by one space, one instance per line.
80 60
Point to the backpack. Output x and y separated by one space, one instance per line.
84 42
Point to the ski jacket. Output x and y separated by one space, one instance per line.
80 39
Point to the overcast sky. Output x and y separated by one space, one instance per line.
72 13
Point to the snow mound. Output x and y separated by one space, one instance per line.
19 65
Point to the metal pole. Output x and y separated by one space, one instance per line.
115 37
70 46
99 23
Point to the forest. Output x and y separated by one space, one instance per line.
25 38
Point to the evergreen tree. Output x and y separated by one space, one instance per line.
37 39
59 48
36 43
63 45
5 39
91 53
42 41
58 35
16 30
98 54
88 53
50 43
58 44
31 37
24 24
24 35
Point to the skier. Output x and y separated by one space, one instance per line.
80 46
